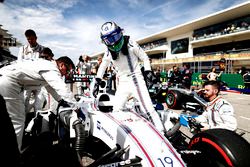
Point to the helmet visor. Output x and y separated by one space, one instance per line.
112 38
117 46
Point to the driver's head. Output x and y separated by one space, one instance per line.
112 36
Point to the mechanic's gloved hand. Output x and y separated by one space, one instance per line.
63 103
150 79
195 126
96 86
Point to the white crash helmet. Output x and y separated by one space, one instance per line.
112 36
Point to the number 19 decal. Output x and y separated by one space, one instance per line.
166 161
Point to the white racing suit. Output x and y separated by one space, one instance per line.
218 114
27 52
23 75
131 81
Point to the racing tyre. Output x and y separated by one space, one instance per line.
219 148
173 99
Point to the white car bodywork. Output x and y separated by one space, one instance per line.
129 129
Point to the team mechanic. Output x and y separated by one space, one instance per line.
125 55
30 75
219 113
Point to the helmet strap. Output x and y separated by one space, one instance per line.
114 54
124 49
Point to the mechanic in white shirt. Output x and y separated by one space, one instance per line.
125 54
31 50
219 113
32 74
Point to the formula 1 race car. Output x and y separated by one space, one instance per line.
176 97
158 92
100 136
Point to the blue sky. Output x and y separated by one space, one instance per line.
71 27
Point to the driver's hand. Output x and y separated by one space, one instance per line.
64 103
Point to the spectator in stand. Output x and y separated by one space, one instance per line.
244 24
232 28
212 75
32 50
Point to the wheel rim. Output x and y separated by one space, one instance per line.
170 100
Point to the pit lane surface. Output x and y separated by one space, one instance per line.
241 104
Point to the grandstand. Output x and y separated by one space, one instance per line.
222 37
7 41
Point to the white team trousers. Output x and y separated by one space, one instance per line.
13 95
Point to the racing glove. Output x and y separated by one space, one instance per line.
63 103
149 77
96 87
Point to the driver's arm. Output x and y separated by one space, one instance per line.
140 53
103 66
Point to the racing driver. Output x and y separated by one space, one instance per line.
125 55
